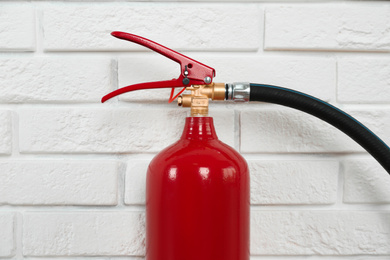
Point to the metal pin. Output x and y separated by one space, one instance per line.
185 70
207 80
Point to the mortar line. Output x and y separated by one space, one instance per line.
69 209
114 74
264 6
336 98
218 53
38 29
340 185
18 235
121 175
15 135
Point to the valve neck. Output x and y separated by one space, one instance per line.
199 128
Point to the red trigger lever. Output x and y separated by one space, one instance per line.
192 72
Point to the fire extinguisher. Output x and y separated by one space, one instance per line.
197 189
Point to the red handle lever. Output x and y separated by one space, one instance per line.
192 72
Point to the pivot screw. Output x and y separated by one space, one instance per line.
186 81
207 80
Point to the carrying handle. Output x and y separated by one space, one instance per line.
192 72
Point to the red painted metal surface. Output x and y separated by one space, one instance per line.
197 199
196 71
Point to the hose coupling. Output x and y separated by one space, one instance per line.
238 91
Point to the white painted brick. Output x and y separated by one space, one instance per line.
17 27
343 26
84 234
7 243
5 132
58 182
365 181
316 76
107 130
135 181
288 130
216 27
293 182
54 79
320 233
363 80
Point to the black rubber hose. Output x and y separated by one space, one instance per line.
323 110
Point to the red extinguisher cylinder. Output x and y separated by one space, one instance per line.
197 199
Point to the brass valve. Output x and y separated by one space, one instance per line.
198 100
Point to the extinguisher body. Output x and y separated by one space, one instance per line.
197 199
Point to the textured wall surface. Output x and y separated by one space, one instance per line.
72 170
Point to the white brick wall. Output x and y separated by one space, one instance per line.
356 74
53 182
365 182
72 170
169 24
83 233
54 79
296 182
7 236
364 27
17 27
319 233
6 131
297 132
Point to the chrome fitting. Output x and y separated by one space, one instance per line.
238 91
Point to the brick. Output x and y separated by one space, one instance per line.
288 130
327 26
17 27
135 182
320 233
7 237
363 80
218 26
59 79
5 132
301 74
58 182
106 130
293 182
365 181
84 234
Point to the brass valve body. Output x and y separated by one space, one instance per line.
198 100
